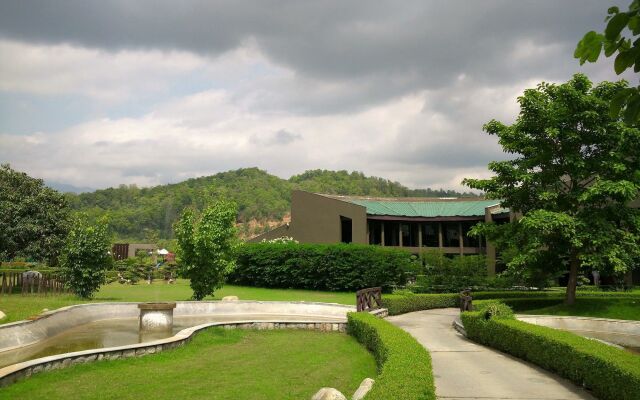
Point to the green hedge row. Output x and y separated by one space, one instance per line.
404 303
609 372
404 364
333 267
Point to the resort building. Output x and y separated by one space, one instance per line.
412 223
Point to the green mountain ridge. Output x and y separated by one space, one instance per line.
262 198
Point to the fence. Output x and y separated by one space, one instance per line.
18 283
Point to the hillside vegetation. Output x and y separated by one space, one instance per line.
263 199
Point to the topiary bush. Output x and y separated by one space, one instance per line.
609 372
332 267
404 364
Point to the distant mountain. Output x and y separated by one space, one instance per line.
263 199
67 188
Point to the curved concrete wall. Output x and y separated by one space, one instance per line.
617 331
49 324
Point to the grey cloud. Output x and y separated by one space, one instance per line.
281 137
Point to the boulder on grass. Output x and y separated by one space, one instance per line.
230 298
328 394
2 315
364 388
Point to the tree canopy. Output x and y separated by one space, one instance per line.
627 51
574 170
34 219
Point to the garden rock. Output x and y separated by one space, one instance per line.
364 388
2 315
328 394
230 298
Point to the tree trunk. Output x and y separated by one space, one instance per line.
574 263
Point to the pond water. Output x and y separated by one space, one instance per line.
120 332
608 337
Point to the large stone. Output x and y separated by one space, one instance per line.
364 388
230 298
328 394
2 315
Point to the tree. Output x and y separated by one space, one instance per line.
574 170
206 246
34 219
86 256
628 54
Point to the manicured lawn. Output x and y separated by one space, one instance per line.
18 307
616 308
217 364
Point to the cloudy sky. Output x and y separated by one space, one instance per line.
99 93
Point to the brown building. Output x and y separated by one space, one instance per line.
413 223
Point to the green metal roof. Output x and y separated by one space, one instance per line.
426 208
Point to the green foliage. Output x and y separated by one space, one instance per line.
573 171
147 213
207 246
334 267
404 365
613 41
34 219
609 372
404 303
445 274
86 257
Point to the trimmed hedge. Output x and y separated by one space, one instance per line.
333 267
403 363
609 372
400 304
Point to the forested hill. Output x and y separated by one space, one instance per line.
263 199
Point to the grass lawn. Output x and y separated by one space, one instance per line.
217 364
615 308
20 307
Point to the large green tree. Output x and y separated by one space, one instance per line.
206 246
613 41
573 171
86 256
34 219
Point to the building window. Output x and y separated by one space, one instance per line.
375 232
346 228
469 241
391 234
430 235
451 234
409 234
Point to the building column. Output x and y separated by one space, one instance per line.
399 234
420 235
382 233
440 239
460 238
491 250
368 233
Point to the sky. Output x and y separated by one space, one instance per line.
100 93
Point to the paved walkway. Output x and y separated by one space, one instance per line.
466 370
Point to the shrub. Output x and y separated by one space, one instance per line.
610 372
404 364
333 267
85 257
443 274
400 304
206 246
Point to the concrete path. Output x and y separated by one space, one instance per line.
466 370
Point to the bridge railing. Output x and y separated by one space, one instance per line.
369 299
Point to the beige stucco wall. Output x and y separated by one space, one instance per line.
316 218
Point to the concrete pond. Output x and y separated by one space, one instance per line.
623 333
110 325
